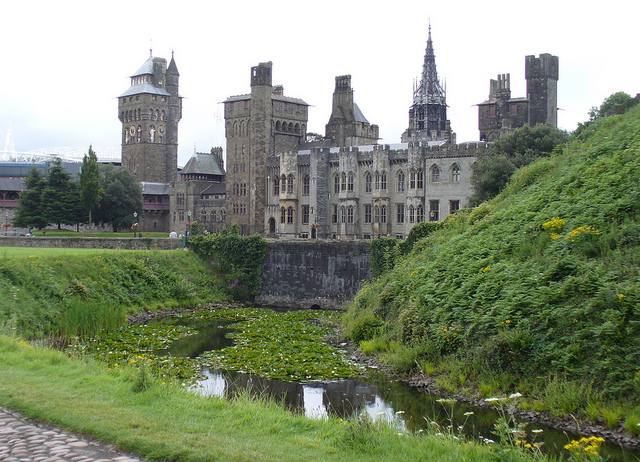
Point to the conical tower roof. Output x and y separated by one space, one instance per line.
429 90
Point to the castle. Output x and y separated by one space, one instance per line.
346 186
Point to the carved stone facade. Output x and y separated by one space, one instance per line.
501 114
347 186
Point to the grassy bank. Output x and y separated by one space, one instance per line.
536 291
69 292
164 422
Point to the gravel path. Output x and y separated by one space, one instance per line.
22 440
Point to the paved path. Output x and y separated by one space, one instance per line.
22 440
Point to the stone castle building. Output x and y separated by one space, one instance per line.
346 186
500 113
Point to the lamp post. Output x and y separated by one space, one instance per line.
188 233
135 223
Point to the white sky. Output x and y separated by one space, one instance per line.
64 63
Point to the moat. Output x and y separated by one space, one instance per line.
375 395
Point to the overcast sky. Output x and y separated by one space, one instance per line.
64 63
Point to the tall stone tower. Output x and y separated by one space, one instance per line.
149 112
428 114
258 125
542 89
347 125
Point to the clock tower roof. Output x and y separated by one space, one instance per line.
146 68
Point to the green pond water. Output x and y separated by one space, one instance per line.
374 394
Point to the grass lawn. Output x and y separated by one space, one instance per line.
165 422
27 252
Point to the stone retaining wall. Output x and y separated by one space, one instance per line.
125 243
310 273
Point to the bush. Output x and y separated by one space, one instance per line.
365 329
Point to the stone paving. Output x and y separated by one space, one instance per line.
22 440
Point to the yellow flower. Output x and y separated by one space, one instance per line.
555 224
484 270
621 297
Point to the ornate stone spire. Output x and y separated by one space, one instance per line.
429 90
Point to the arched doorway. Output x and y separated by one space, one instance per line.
272 225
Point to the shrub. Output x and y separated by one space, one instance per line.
365 329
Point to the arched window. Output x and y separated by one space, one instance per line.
336 183
290 215
376 214
150 114
290 184
235 128
343 183
242 129
412 214
377 182
278 126
383 214
156 116
455 173
412 179
419 214
162 115
306 181
283 215
435 174
343 215
401 179
297 129
367 182
276 186
383 180
290 130
350 182
139 137
350 214
420 179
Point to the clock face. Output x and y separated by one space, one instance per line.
132 130
161 130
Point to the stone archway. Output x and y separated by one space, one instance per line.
272 225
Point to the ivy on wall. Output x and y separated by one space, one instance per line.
236 259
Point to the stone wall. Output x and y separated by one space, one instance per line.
310 273
124 243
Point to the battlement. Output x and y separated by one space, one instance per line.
261 75
343 83
546 66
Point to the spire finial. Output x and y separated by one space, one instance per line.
150 48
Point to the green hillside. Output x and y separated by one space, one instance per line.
535 291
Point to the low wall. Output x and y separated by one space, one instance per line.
306 274
125 243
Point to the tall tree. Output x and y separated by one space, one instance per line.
30 211
90 187
122 196
61 197
492 171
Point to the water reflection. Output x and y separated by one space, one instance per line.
376 395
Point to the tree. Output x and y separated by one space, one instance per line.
61 198
617 103
90 188
30 212
493 169
122 196
312 137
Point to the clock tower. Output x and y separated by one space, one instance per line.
149 112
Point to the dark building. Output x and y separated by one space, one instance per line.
501 114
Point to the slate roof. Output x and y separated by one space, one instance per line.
286 99
146 87
201 163
358 114
215 188
158 189
12 184
146 68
